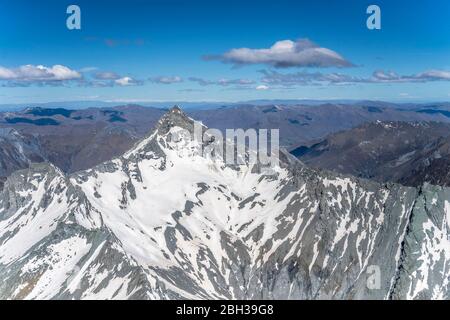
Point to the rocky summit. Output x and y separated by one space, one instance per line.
163 222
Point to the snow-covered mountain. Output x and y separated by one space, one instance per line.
164 222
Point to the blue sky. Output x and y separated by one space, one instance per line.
167 50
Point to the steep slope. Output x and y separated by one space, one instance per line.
409 153
165 222
17 151
431 165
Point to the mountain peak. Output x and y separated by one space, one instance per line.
175 109
175 117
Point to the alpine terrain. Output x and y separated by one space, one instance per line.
162 221
409 153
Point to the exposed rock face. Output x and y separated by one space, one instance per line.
164 222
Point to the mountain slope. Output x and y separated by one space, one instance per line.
409 153
164 222
17 151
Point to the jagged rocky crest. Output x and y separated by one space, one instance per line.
163 222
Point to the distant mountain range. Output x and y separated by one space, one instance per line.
84 104
79 139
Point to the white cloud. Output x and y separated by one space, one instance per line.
88 69
262 87
40 73
126 81
429 75
435 75
27 75
275 78
226 82
166 79
306 78
7 74
222 82
285 53
385 76
106 76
